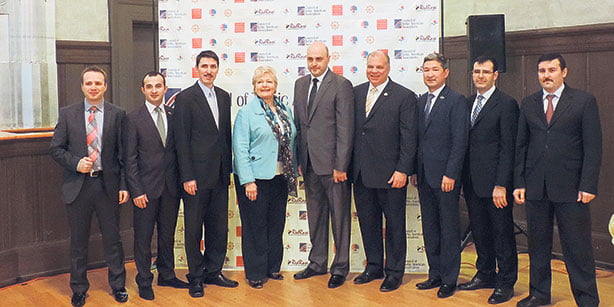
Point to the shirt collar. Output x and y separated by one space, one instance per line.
206 90
87 105
151 107
380 87
556 93
320 77
437 91
487 94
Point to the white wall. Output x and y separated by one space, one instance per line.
528 14
82 20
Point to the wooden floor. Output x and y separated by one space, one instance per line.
54 291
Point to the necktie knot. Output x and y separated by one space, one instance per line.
550 97
315 81
93 109
480 98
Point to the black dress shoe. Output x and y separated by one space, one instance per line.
146 293
366 277
78 299
446 290
533 301
429 284
256 284
196 289
276 276
391 283
173 283
477 283
306 273
120 295
221 281
335 281
501 295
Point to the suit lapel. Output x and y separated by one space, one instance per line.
326 82
82 139
380 100
109 124
203 103
490 104
149 124
439 100
561 106
538 108
360 104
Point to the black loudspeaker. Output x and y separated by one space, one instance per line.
486 36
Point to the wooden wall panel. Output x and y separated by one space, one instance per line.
588 51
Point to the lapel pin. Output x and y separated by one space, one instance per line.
385 93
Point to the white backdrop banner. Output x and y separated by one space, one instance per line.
250 33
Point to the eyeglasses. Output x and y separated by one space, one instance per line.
485 72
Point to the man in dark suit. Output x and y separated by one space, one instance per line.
152 177
558 156
324 117
487 183
442 141
87 143
202 137
384 152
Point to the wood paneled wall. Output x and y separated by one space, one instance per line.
589 53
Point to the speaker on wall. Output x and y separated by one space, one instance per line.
486 36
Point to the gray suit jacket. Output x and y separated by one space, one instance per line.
325 134
68 146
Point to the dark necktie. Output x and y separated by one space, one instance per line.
478 108
160 125
549 108
93 148
427 107
312 94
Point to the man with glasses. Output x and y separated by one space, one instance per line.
487 183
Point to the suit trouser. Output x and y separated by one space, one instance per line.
441 231
263 222
161 212
93 199
370 204
325 197
574 225
209 207
492 229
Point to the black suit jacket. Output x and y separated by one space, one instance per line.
385 141
492 141
562 157
442 139
68 146
150 166
203 150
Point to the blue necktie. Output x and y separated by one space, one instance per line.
478 108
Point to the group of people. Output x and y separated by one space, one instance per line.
377 137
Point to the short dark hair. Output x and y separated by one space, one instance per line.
207 54
94 68
436 57
153 74
483 59
552 57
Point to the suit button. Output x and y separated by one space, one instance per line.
253 158
546 146
362 133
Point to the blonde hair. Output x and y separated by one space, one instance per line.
262 70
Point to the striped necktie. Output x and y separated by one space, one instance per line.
370 100
478 108
93 145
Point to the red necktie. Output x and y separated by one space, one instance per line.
549 108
